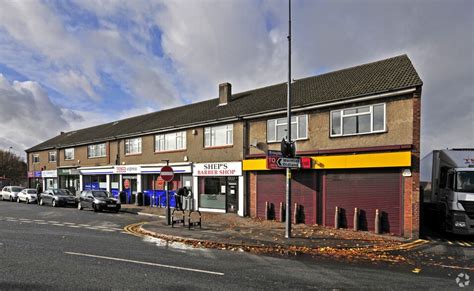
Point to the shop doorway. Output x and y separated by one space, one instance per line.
232 194
129 186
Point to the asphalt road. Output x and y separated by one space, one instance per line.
64 248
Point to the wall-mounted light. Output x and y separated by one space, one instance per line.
185 158
194 132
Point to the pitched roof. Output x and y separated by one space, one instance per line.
378 77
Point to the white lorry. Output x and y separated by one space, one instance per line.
447 182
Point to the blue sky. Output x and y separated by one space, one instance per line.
71 64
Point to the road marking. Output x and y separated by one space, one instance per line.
74 226
465 243
25 219
57 224
53 221
41 223
84 225
145 263
457 267
38 220
70 223
104 229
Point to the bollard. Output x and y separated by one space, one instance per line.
377 221
282 212
295 214
336 218
356 219
266 210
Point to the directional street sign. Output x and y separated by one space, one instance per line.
288 162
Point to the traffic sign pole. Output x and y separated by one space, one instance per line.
167 175
288 126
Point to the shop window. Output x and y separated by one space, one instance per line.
170 141
277 128
221 135
52 157
36 158
358 120
133 146
69 154
212 192
96 150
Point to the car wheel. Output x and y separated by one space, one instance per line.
95 207
27 201
11 198
53 203
41 202
18 199
79 206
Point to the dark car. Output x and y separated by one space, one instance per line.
98 200
57 197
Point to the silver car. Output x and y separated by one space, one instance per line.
27 195
11 192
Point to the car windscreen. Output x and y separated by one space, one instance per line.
100 194
31 191
16 189
465 182
62 192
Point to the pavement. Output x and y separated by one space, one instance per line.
234 231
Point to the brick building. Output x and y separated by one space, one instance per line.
359 127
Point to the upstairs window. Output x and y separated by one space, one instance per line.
221 135
170 141
96 151
133 146
69 154
36 158
52 157
277 128
358 120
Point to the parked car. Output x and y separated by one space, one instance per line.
98 200
57 197
11 192
28 195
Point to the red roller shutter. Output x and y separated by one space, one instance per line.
367 190
271 188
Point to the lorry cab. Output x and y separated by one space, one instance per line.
456 190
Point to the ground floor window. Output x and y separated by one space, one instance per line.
218 193
51 183
95 182
115 185
70 182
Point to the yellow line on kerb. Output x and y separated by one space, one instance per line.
130 229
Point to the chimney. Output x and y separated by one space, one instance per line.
225 92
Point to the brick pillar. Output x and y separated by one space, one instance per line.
415 197
253 193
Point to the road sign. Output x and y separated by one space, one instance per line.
167 173
272 163
288 162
